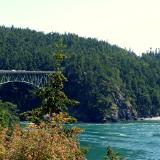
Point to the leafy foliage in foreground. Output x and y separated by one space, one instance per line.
42 142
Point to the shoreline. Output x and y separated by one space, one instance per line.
150 119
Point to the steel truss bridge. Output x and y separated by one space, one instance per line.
35 78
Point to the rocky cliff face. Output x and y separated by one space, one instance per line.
120 109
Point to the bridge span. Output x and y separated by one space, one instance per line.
36 78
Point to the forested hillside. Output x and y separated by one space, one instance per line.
110 83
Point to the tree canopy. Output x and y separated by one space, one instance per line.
110 82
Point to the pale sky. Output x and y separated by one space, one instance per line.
132 24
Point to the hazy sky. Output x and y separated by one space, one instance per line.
132 24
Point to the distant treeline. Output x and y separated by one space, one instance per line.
110 83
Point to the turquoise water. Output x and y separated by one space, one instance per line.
135 141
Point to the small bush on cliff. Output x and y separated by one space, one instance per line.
8 114
112 155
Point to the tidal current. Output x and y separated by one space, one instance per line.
134 141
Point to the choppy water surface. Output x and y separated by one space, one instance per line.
136 141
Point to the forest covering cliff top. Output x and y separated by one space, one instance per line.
110 82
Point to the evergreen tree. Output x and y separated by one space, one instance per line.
54 100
